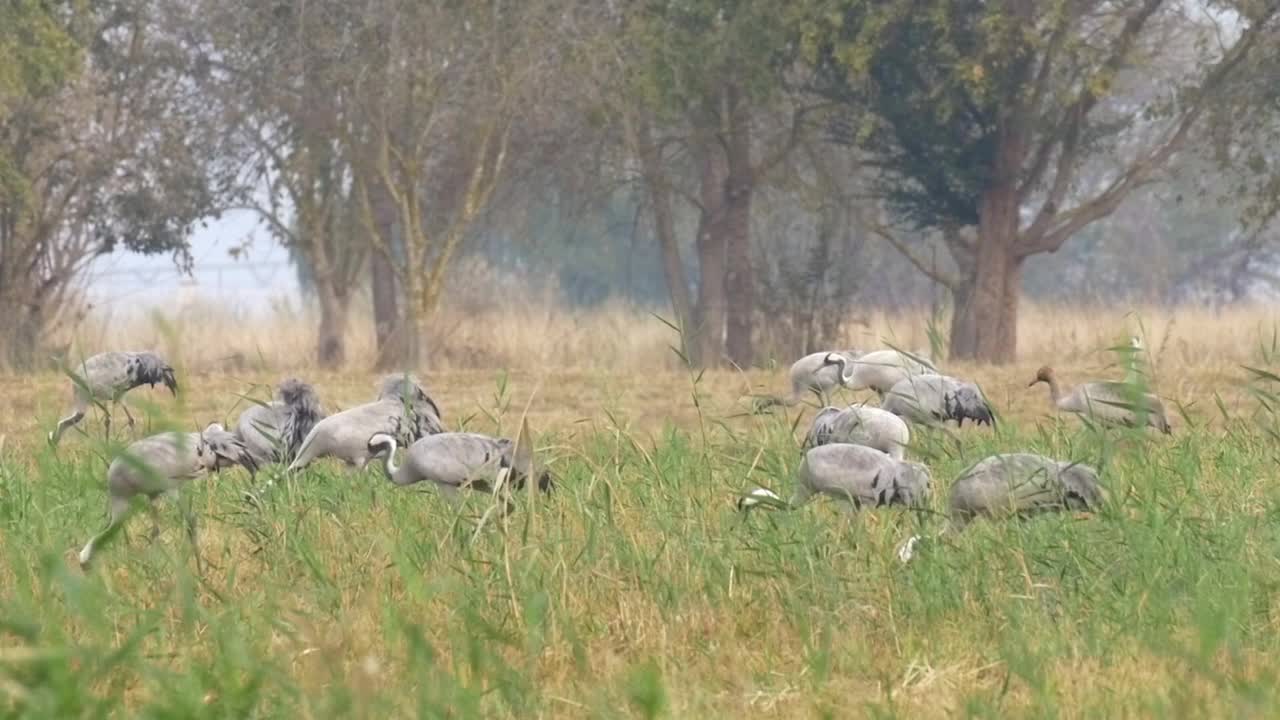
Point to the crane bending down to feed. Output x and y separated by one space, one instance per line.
860 425
1112 403
812 373
106 377
855 474
454 461
880 370
938 398
402 410
274 432
1017 485
161 464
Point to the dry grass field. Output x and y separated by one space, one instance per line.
637 590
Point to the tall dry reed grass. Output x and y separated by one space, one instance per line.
535 331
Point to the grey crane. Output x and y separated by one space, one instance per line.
1112 403
938 398
855 474
1023 484
161 464
1017 485
274 432
106 377
402 410
860 425
814 373
454 461
880 370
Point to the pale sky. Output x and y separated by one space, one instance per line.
126 281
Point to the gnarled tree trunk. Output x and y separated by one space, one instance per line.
985 325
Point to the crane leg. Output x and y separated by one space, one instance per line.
116 512
124 406
189 520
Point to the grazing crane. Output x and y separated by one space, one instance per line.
106 377
880 370
1017 485
855 474
453 461
402 410
860 425
1112 403
274 432
1023 484
938 398
812 373
161 464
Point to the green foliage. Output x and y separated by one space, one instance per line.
38 56
926 84
638 589
688 49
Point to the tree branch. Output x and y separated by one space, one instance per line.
951 282
1051 229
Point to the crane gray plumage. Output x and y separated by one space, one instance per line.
938 398
1112 403
455 461
1023 484
161 464
402 410
856 474
274 432
860 425
1016 485
880 370
106 377
813 373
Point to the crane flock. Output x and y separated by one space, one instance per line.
856 454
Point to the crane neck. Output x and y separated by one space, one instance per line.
389 465
1055 391
846 374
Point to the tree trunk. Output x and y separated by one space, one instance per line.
984 326
664 228
712 259
739 283
331 346
21 330
387 327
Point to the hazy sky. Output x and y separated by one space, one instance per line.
126 281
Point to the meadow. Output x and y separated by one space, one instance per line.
637 589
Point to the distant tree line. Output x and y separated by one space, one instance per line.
755 169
